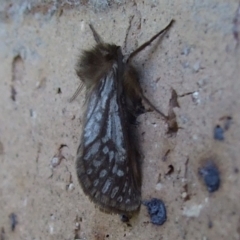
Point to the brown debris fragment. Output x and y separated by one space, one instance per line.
173 102
2 235
172 119
172 122
164 158
13 93
170 170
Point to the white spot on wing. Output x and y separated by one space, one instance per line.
114 169
114 192
120 173
129 191
106 185
95 183
92 150
111 155
105 139
89 171
119 199
109 127
125 186
105 150
120 156
97 163
103 173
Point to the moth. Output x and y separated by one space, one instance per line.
108 161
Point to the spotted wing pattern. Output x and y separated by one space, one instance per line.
107 160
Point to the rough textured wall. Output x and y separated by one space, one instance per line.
199 58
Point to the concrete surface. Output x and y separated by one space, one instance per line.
199 58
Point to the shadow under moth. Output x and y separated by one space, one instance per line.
108 161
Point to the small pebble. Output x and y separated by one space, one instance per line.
71 187
184 195
196 98
55 162
196 67
157 211
211 176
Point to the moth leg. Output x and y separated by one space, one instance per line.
96 36
138 109
154 108
76 92
139 49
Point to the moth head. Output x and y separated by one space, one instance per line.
108 51
94 63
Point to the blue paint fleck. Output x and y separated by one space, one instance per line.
157 211
211 176
218 133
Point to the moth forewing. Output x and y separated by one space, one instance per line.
103 160
108 162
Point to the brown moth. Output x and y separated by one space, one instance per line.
108 162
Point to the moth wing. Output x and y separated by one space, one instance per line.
107 160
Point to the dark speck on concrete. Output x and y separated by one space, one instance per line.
211 176
13 221
124 218
157 211
218 133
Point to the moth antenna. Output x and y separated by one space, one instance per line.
127 32
76 92
96 36
139 49
153 107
